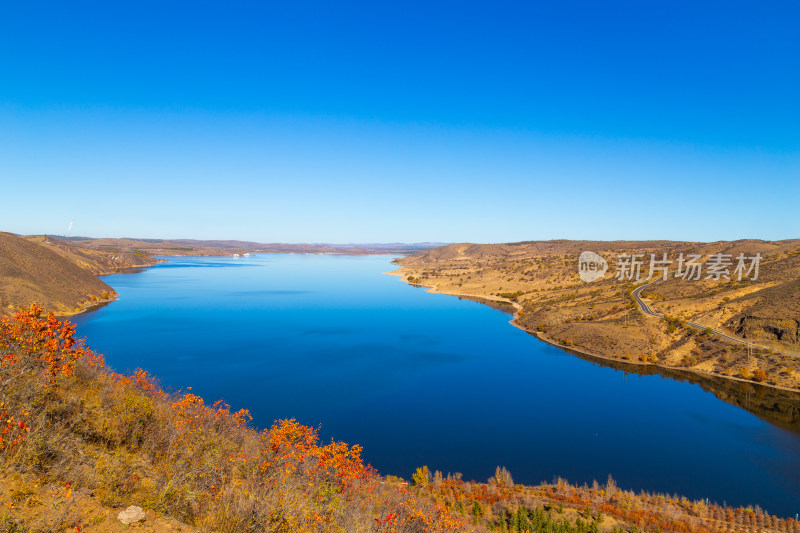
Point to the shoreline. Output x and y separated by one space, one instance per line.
539 336
96 304
517 308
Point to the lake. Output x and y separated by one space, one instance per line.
427 379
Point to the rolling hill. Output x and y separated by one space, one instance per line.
32 273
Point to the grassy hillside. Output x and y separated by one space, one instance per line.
602 318
32 273
79 443
98 262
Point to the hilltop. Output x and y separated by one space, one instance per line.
602 317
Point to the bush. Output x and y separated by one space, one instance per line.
67 418
673 323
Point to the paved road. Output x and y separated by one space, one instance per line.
643 306
647 311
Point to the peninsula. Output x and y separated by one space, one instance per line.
746 329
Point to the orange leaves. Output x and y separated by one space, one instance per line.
142 380
289 436
389 520
27 338
190 408
419 512
12 431
8 359
295 446
29 345
242 417
189 402
292 456
192 411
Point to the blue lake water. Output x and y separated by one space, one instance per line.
419 378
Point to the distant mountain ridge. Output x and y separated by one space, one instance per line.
168 247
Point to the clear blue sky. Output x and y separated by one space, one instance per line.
401 121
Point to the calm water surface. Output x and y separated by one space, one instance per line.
419 378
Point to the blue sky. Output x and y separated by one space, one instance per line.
386 122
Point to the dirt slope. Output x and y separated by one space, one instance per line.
32 273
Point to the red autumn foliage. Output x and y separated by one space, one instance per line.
28 340
204 464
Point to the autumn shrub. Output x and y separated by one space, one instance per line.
66 417
69 420
673 323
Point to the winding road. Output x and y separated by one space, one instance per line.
645 309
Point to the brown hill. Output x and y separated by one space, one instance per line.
32 273
97 261
601 318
